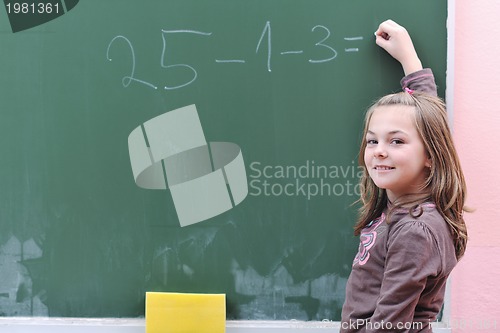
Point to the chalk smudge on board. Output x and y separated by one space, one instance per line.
308 300
16 287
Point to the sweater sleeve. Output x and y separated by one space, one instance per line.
412 257
421 81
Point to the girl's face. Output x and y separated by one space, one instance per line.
395 156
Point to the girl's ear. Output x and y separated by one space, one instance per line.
428 162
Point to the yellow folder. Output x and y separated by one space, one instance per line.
185 313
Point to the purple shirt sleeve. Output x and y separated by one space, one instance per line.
421 81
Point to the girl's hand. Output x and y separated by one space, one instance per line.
397 42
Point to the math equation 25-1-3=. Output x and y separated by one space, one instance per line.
265 41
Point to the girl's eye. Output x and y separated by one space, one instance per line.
371 141
397 141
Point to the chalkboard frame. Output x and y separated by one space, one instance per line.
450 109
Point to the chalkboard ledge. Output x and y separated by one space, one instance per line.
115 325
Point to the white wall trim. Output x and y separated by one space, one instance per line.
449 93
450 62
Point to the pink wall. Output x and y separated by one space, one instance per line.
476 97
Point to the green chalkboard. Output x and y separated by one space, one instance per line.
282 84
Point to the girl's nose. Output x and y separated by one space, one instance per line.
380 151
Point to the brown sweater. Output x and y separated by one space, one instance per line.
398 277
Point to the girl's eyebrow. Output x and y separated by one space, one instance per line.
390 133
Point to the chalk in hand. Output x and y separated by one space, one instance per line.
384 35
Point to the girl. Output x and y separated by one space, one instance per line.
411 228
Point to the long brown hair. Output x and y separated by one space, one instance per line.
445 186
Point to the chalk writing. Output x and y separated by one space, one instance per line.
352 39
320 43
195 73
126 80
267 29
264 41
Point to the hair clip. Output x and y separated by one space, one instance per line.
408 90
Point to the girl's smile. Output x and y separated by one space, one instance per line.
383 168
